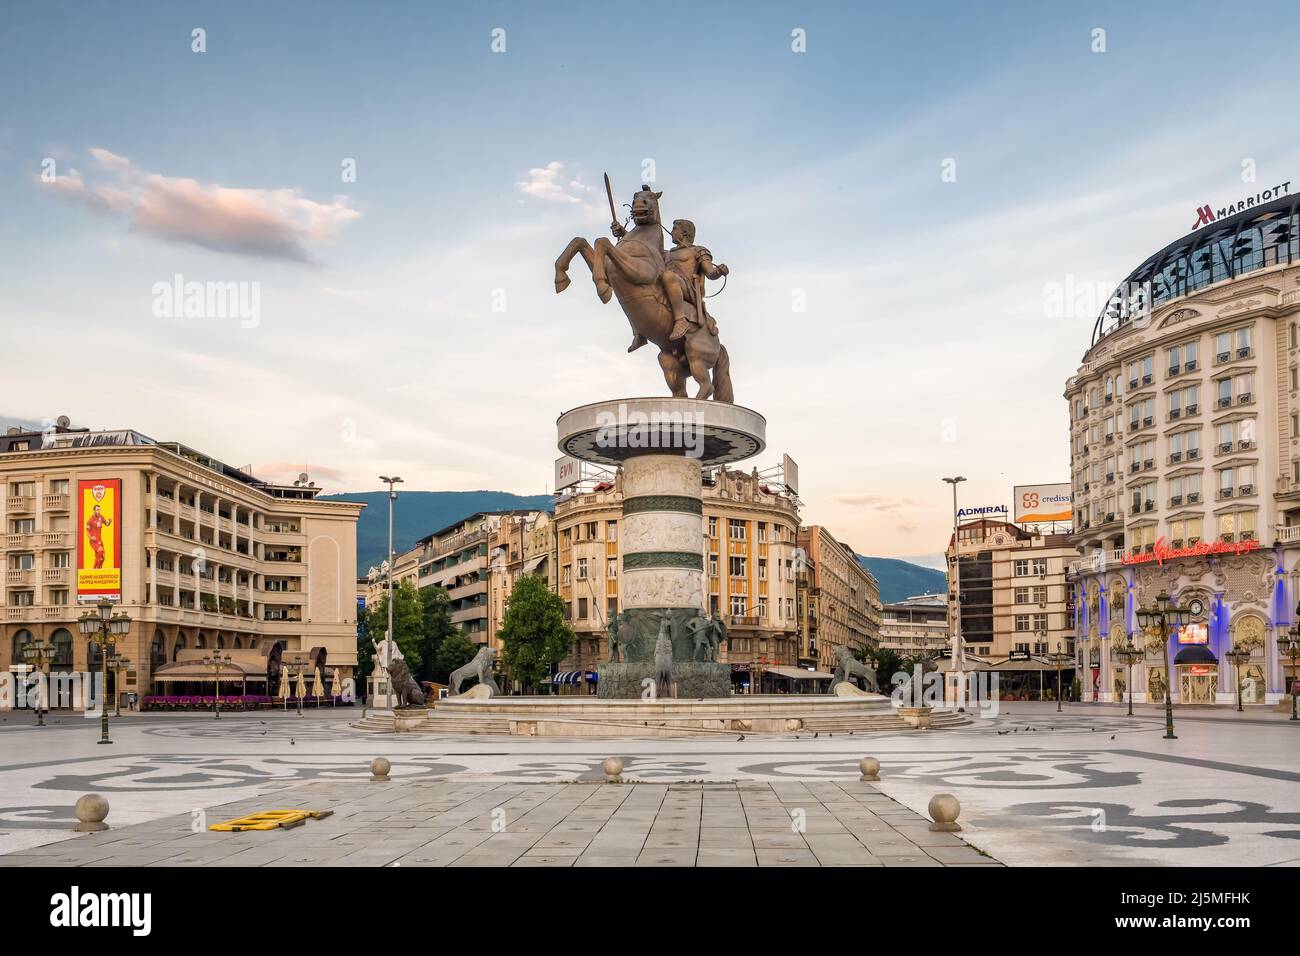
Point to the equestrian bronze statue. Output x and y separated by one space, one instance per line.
661 293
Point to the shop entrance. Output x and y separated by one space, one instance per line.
1200 684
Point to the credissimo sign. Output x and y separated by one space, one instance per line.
1162 552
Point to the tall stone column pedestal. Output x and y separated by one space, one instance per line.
662 445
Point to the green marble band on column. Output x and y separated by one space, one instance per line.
679 503
691 560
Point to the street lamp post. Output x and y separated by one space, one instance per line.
1288 644
1059 658
957 653
104 628
1128 655
216 662
392 497
1160 617
1238 656
38 654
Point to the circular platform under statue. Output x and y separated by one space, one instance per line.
662 445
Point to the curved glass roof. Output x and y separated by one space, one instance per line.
1257 238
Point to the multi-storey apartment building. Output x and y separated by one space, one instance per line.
1185 452
916 626
205 556
1015 601
842 600
750 537
470 559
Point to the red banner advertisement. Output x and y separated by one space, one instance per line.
1162 552
99 540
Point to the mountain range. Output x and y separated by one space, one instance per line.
901 579
419 513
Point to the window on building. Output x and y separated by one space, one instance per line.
713 565
1021 622
611 568
736 565
611 530
736 529
738 605
582 608
582 569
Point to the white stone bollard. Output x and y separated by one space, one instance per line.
944 810
613 767
91 810
379 768
870 768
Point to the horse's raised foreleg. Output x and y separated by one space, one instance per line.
578 245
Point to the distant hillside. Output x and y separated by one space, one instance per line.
422 512
901 579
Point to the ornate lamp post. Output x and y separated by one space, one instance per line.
215 663
1128 655
1238 656
1288 645
104 628
1060 659
38 654
1160 617
120 663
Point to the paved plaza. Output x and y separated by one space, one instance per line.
1086 787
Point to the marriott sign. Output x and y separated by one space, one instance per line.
1207 213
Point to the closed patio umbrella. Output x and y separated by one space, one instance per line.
317 686
337 687
302 686
283 692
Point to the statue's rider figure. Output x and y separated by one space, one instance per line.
688 265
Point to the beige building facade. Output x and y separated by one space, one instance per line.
1015 601
917 626
841 606
1185 454
211 557
750 540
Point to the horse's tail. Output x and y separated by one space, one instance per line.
722 389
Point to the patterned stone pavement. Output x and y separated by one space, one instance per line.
1086 787
420 822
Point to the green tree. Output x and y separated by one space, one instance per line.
456 650
408 622
534 634
888 663
436 627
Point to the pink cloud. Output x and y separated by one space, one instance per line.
263 223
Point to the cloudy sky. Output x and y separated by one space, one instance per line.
901 206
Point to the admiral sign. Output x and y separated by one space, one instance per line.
1207 214
1162 552
984 511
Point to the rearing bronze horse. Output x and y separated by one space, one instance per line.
630 270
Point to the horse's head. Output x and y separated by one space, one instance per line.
645 206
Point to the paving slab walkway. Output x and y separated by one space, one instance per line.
446 823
